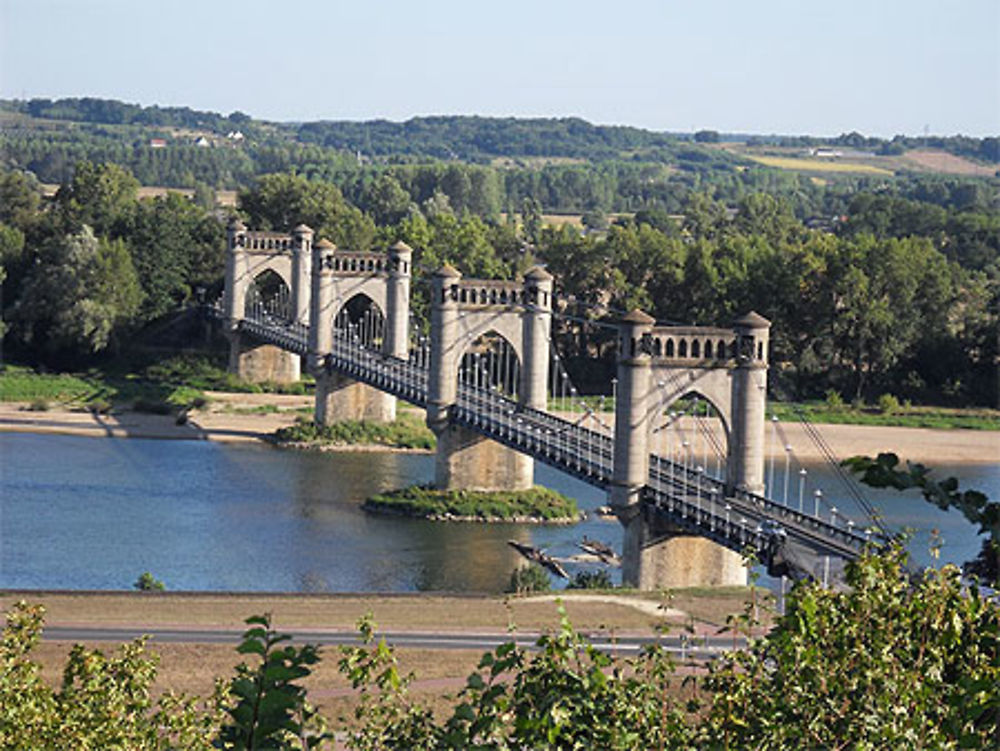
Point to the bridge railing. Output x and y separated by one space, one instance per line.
562 444
689 498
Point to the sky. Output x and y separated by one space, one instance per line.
880 67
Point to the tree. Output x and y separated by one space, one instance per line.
99 195
531 219
706 136
386 200
104 701
883 472
890 661
80 295
282 201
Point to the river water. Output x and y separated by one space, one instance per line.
89 513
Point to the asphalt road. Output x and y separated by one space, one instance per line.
686 647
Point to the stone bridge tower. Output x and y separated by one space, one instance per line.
338 277
462 310
657 366
249 257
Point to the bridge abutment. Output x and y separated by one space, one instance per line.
334 280
466 459
661 559
655 553
262 363
339 398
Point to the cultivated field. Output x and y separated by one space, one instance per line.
803 164
942 161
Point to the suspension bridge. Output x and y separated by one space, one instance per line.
679 443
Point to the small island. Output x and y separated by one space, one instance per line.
535 505
406 433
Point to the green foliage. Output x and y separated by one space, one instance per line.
20 384
883 472
270 710
148 583
538 503
282 201
925 676
386 716
80 293
563 694
103 702
405 432
528 578
600 579
888 404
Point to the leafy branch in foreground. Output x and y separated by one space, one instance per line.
103 702
887 663
271 711
883 472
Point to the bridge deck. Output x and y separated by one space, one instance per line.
688 500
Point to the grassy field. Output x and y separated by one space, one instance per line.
177 381
802 164
941 418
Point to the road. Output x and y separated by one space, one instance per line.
700 648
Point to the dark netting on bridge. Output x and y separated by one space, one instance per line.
267 297
491 363
689 433
361 322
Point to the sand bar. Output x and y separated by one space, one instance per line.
227 419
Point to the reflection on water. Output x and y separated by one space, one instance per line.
84 513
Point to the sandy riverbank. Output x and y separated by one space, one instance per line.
228 417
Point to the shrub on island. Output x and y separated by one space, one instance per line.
536 504
406 432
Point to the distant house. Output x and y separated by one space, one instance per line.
234 135
826 153
202 141
157 143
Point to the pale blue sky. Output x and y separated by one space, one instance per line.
758 66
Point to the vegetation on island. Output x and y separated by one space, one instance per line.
534 504
819 677
407 431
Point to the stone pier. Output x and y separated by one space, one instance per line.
460 312
658 555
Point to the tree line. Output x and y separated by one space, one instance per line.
899 297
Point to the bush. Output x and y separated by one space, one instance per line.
591 580
888 404
148 583
529 578
537 503
405 432
926 676
834 401
39 405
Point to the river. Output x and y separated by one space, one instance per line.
90 513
